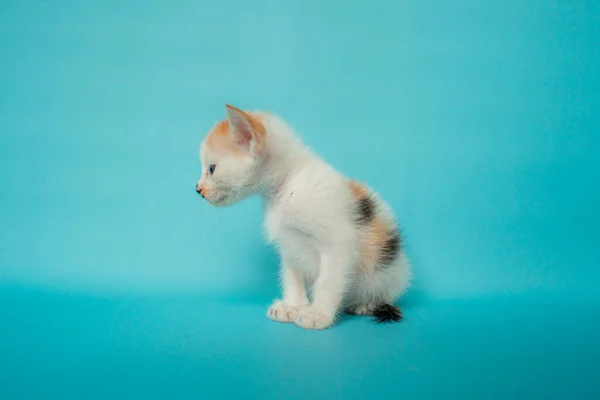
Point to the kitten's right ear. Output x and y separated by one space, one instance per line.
246 130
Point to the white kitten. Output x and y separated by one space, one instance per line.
334 235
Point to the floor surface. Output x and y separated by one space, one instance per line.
58 346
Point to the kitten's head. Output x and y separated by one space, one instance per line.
230 156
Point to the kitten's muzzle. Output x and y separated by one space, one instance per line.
200 190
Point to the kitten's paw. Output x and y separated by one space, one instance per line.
311 319
282 312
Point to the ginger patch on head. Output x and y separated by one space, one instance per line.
221 139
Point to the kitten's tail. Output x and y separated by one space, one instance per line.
387 313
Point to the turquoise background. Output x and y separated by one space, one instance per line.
476 120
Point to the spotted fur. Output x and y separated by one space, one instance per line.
391 248
365 210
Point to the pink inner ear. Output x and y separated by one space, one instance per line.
242 135
240 130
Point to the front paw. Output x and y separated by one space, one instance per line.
282 312
312 319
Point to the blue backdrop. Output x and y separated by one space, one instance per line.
476 120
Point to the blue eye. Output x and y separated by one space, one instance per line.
211 169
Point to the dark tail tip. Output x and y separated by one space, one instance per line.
387 313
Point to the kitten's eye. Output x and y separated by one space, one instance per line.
211 169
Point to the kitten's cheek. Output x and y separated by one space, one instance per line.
215 198
222 199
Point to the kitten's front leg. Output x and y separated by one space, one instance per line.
327 290
294 296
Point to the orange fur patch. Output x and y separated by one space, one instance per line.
374 238
220 140
221 128
358 190
374 235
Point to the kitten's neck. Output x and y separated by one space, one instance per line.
285 154
278 168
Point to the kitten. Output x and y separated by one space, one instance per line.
334 234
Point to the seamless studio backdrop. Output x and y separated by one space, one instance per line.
477 121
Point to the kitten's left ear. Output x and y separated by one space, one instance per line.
246 129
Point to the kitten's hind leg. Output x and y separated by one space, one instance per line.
362 309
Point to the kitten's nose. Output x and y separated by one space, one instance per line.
199 190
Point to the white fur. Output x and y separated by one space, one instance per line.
306 215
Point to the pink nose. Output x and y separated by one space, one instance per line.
199 189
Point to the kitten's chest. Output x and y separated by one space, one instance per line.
286 220
277 222
298 247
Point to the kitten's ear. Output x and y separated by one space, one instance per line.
246 130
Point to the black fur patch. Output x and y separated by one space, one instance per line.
391 248
365 210
387 313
